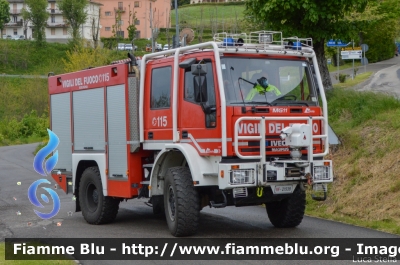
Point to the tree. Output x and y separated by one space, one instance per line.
320 20
4 13
96 29
131 24
116 28
24 13
38 15
74 12
81 57
378 26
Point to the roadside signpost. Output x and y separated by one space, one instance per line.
364 61
349 53
338 44
352 53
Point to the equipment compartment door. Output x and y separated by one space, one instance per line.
89 134
116 131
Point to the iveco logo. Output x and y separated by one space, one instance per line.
280 110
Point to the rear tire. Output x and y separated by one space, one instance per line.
96 208
288 212
181 202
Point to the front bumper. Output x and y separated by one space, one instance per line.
279 175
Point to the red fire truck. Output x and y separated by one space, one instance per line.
238 121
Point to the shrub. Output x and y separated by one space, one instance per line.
342 78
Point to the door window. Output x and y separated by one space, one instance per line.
160 88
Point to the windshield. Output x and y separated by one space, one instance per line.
268 81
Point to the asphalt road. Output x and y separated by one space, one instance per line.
373 67
136 220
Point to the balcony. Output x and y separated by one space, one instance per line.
15 11
54 11
120 9
14 24
57 25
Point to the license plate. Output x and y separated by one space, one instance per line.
283 189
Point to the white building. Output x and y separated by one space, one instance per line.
57 29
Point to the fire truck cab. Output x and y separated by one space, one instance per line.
241 120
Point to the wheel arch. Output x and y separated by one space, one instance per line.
81 161
82 165
180 155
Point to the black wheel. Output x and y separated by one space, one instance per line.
181 202
158 205
96 208
288 212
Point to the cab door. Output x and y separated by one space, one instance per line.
198 121
158 103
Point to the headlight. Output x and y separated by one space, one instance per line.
242 176
321 173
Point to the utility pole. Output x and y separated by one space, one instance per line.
151 26
176 23
353 62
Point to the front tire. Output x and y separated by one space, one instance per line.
289 212
158 205
181 202
96 208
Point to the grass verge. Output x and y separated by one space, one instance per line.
366 189
353 82
347 65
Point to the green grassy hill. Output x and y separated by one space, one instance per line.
23 57
366 187
195 16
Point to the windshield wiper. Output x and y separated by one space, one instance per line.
253 102
288 102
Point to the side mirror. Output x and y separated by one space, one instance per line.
200 82
199 69
200 89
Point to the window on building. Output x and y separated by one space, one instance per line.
53 31
120 22
15 32
108 13
137 4
65 31
107 28
137 34
161 87
53 19
120 6
120 34
15 19
137 22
